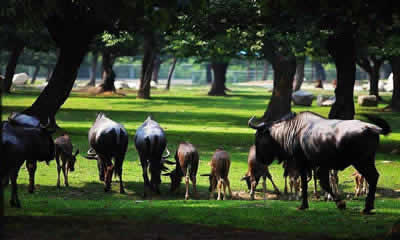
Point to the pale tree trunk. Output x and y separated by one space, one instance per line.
218 85
35 73
11 65
171 73
395 102
93 68
299 76
266 70
372 66
147 67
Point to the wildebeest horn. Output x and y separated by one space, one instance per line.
244 178
169 162
168 153
47 125
91 151
91 157
205 175
255 126
166 174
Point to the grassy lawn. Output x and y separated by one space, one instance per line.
187 114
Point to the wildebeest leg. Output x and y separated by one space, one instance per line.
323 175
14 188
101 169
316 195
264 188
219 188
285 191
304 185
31 165
229 187
187 187
273 184
146 182
193 179
252 187
109 173
371 175
65 173
58 169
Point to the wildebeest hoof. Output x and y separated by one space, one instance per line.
367 211
106 189
302 207
341 205
122 191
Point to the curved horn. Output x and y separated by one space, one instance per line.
166 174
255 126
168 153
91 151
244 178
47 125
205 175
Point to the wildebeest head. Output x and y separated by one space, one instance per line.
71 159
266 150
248 182
176 179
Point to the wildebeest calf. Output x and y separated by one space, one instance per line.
187 162
220 164
361 184
63 151
256 170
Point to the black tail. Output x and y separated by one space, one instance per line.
386 129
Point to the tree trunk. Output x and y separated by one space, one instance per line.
395 102
147 67
284 71
387 69
35 73
342 49
49 73
171 73
61 82
266 70
156 68
319 74
299 76
108 74
93 69
208 73
218 85
11 65
372 66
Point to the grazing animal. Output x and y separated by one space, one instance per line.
108 140
312 141
63 151
361 184
150 142
293 174
24 138
255 170
220 164
187 163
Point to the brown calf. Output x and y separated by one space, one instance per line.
359 180
220 164
63 151
256 170
295 180
187 162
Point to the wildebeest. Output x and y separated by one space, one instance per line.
187 162
63 151
291 172
108 140
361 185
220 164
150 142
255 170
313 141
24 138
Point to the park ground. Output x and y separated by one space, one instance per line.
84 211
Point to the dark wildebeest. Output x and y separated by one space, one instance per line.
220 164
312 141
108 140
63 151
150 142
24 138
187 162
255 170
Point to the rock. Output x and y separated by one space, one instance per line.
153 84
389 83
381 86
323 100
20 79
367 100
302 98
120 85
131 85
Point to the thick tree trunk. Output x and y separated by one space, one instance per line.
372 66
147 67
156 68
218 85
208 74
11 65
93 68
108 75
395 102
266 70
342 49
319 74
61 82
49 73
284 71
171 73
387 70
35 73
299 76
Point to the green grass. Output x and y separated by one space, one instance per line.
187 114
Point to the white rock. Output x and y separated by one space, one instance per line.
389 84
381 86
131 85
20 79
323 100
120 85
367 100
302 98
153 84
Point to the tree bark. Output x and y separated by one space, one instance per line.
342 49
35 73
171 73
49 73
108 74
372 66
11 65
395 102
319 74
266 70
218 85
280 103
156 68
299 76
147 67
208 73
93 69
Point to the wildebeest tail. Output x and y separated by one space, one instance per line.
386 129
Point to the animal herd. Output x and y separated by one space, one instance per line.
308 145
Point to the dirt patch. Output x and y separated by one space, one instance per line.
111 228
